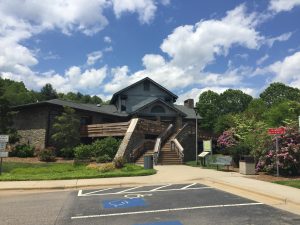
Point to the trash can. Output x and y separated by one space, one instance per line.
247 165
148 162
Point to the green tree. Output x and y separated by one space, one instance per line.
66 131
234 101
284 112
207 107
279 92
256 109
48 93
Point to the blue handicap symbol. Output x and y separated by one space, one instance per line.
162 223
123 203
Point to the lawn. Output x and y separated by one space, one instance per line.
291 183
13 171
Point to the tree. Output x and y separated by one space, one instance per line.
48 93
66 131
256 109
234 101
283 112
279 92
208 108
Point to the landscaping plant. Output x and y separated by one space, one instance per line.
47 155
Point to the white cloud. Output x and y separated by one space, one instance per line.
93 57
107 39
191 48
280 38
283 5
144 8
262 59
286 71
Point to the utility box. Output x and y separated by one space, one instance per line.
247 165
148 162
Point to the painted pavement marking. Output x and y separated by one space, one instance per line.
186 187
123 203
131 196
166 210
155 189
93 192
80 194
129 189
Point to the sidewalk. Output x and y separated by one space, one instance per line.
280 196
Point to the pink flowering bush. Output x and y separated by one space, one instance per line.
228 139
288 154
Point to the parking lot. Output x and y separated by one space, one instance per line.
170 204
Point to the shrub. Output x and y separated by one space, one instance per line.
237 151
83 152
288 155
23 151
107 167
47 155
119 162
107 146
103 159
67 153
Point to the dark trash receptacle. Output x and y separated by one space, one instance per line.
148 162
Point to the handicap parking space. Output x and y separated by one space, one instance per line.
170 204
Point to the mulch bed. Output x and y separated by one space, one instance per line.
33 160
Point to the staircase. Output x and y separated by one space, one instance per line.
140 160
167 156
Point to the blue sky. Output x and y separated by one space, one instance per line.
100 46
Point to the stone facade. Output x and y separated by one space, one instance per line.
33 137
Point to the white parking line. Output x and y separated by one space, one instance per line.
129 189
155 189
189 186
93 192
166 210
135 192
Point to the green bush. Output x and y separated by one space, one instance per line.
84 152
107 146
119 162
23 151
103 159
47 155
237 151
67 153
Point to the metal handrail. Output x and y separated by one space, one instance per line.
159 142
175 142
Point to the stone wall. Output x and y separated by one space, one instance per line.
33 137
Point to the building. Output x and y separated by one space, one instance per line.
144 114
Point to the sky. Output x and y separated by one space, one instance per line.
98 47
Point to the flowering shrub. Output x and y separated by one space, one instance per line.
228 139
288 155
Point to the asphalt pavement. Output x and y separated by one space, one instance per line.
170 204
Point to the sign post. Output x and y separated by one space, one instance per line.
277 132
3 154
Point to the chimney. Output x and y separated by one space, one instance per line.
189 103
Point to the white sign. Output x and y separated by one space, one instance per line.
4 138
203 154
2 146
207 146
3 154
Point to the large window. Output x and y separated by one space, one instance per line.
158 109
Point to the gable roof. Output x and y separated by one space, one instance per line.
191 114
104 109
150 101
114 97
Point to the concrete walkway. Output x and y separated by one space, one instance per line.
280 196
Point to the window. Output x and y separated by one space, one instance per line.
85 120
157 109
146 85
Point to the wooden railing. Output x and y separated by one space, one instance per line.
141 149
104 130
176 142
161 139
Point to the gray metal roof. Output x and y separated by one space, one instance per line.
188 111
105 109
143 103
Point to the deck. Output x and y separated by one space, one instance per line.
104 130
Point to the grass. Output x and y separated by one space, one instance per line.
291 183
15 171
